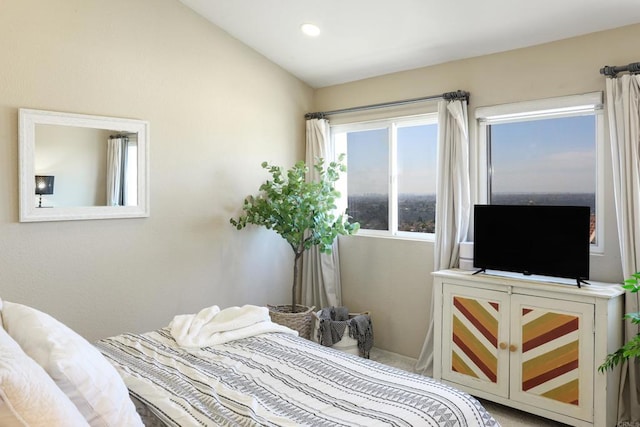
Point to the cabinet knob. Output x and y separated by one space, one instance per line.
503 345
513 348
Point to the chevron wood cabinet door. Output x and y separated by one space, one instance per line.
553 364
475 326
529 343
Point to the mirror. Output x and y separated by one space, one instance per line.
95 167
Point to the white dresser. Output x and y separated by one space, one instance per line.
530 344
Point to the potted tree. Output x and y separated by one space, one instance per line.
631 349
303 213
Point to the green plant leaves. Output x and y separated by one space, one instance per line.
631 349
299 210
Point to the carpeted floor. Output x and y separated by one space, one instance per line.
507 417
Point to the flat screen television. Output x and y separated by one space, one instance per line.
542 240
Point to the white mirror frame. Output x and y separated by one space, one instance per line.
28 119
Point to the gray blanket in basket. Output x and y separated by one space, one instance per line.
334 321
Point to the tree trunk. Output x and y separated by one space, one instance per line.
294 308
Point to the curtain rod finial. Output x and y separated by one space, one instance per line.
310 116
459 94
608 71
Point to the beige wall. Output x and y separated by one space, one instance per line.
216 110
392 278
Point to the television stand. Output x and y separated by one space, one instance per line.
529 343
533 278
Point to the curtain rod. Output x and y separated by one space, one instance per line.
122 134
612 71
459 94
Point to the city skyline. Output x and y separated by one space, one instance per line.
417 212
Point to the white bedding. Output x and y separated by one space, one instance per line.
212 326
277 379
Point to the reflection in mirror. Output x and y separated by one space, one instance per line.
122 188
99 164
44 185
90 165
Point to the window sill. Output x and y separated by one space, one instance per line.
422 238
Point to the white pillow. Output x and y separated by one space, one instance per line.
76 366
28 397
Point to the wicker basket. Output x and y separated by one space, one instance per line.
300 321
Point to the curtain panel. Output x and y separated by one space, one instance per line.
623 108
321 286
116 168
453 207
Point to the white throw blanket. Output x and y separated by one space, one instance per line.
213 326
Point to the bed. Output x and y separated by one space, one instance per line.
278 379
253 373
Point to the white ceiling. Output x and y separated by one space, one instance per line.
366 38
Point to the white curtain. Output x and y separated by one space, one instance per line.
116 168
453 203
623 105
320 272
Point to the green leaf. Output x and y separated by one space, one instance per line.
634 317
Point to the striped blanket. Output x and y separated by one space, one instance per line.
277 379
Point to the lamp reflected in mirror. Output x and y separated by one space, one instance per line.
44 185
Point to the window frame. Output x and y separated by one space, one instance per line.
557 107
131 192
392 124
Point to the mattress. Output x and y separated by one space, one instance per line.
278 379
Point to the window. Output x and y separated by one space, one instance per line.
391 174
131 182
544 153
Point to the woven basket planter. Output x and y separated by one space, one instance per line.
300 321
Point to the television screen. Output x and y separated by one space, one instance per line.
543 240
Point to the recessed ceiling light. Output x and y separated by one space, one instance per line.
310 29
